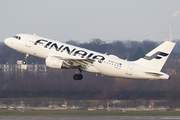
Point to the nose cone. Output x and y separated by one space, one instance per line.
7 41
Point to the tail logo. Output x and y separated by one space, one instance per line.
157 55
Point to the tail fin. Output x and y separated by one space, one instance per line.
156 58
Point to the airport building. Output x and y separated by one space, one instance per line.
19 67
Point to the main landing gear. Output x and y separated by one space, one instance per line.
78 76
25 61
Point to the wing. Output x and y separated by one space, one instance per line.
73 63
76 63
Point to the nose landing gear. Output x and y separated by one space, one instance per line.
78 76
25 61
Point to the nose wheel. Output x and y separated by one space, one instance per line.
78 76
25 61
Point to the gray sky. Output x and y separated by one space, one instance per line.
84 20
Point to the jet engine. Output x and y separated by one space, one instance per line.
53 62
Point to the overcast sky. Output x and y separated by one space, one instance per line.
84 20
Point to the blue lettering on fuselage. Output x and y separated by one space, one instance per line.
40 41
67 49
63 48
80 52
47 44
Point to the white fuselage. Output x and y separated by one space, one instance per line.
108 65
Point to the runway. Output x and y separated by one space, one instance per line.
91 118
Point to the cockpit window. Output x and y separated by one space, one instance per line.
17 37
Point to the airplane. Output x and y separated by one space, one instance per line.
60 55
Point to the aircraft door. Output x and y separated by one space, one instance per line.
29 41
130 69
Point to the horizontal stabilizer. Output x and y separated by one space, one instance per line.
154 73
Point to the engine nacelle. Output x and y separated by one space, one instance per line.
53 62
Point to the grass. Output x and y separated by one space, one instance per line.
5 112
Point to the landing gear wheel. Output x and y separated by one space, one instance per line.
78 77
24 62
75 77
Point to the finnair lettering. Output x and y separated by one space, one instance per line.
73 52
80 52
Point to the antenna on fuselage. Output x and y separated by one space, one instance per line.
34 34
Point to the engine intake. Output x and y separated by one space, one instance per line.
53 62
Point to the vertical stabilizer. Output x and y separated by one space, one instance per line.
156 58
